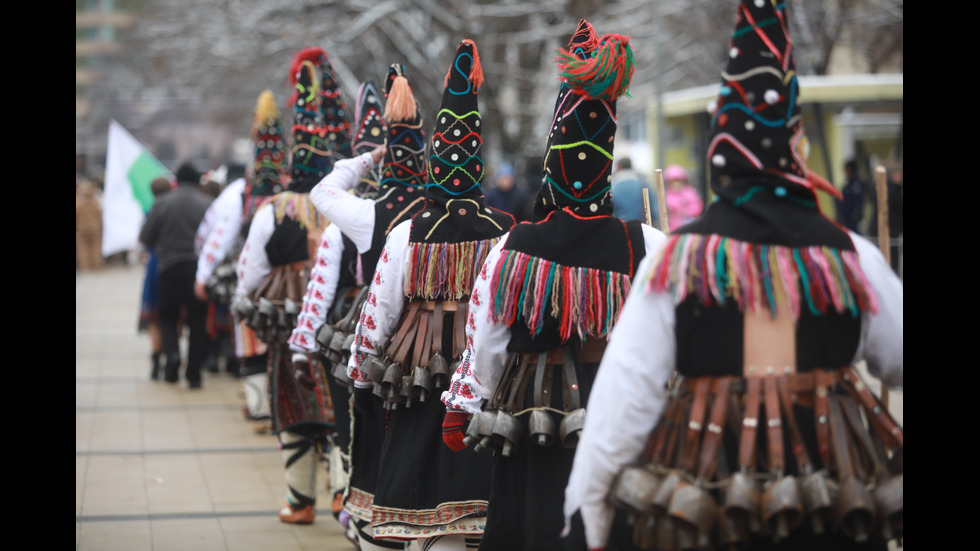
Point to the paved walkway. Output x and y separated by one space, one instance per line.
160 467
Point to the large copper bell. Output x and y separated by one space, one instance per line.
695 511
480 429
818 500
376 369
336 347
439 368
542 427
855 509
782 505
266 313
661 497
740 510
379 392
392 382
571 427
421 382
348 343
890 504
340 374
405 393
323 336
634 489
507 431
292 310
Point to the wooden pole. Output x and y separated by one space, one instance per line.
884 237
646 206
662 202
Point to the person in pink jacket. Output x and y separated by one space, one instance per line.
684 204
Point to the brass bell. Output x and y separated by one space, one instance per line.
439 369
392 382
695 511
376 369
818 500
480 429
661 497
742 495
855 509
542 427
571 427
782 505
405 391
421 382
889 502
633 490
340 374
507 431
323 336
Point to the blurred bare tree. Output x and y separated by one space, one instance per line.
209 59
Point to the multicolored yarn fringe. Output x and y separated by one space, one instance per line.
475 76
445 271
716 269
586 301
606 75
299 207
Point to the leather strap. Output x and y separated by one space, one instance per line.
541 398
879 415
421 348
695 424
571 395
774 426
459 336
839 441
438 318
716 425
820 410
796 438
750 425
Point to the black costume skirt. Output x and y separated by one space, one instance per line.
424 488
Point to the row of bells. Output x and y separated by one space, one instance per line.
334 347
221 285
671 513
501 430
272 323
395 385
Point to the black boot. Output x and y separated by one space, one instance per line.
155 362
172 369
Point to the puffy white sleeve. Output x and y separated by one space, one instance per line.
218 234
482 364
628 397
253 262
882 333
331 196
383 306
320 291
653 239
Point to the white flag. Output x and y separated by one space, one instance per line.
126 197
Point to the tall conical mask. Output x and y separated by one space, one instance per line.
455 166
311 157
270 149
595 73
369 134
404 161
756 125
